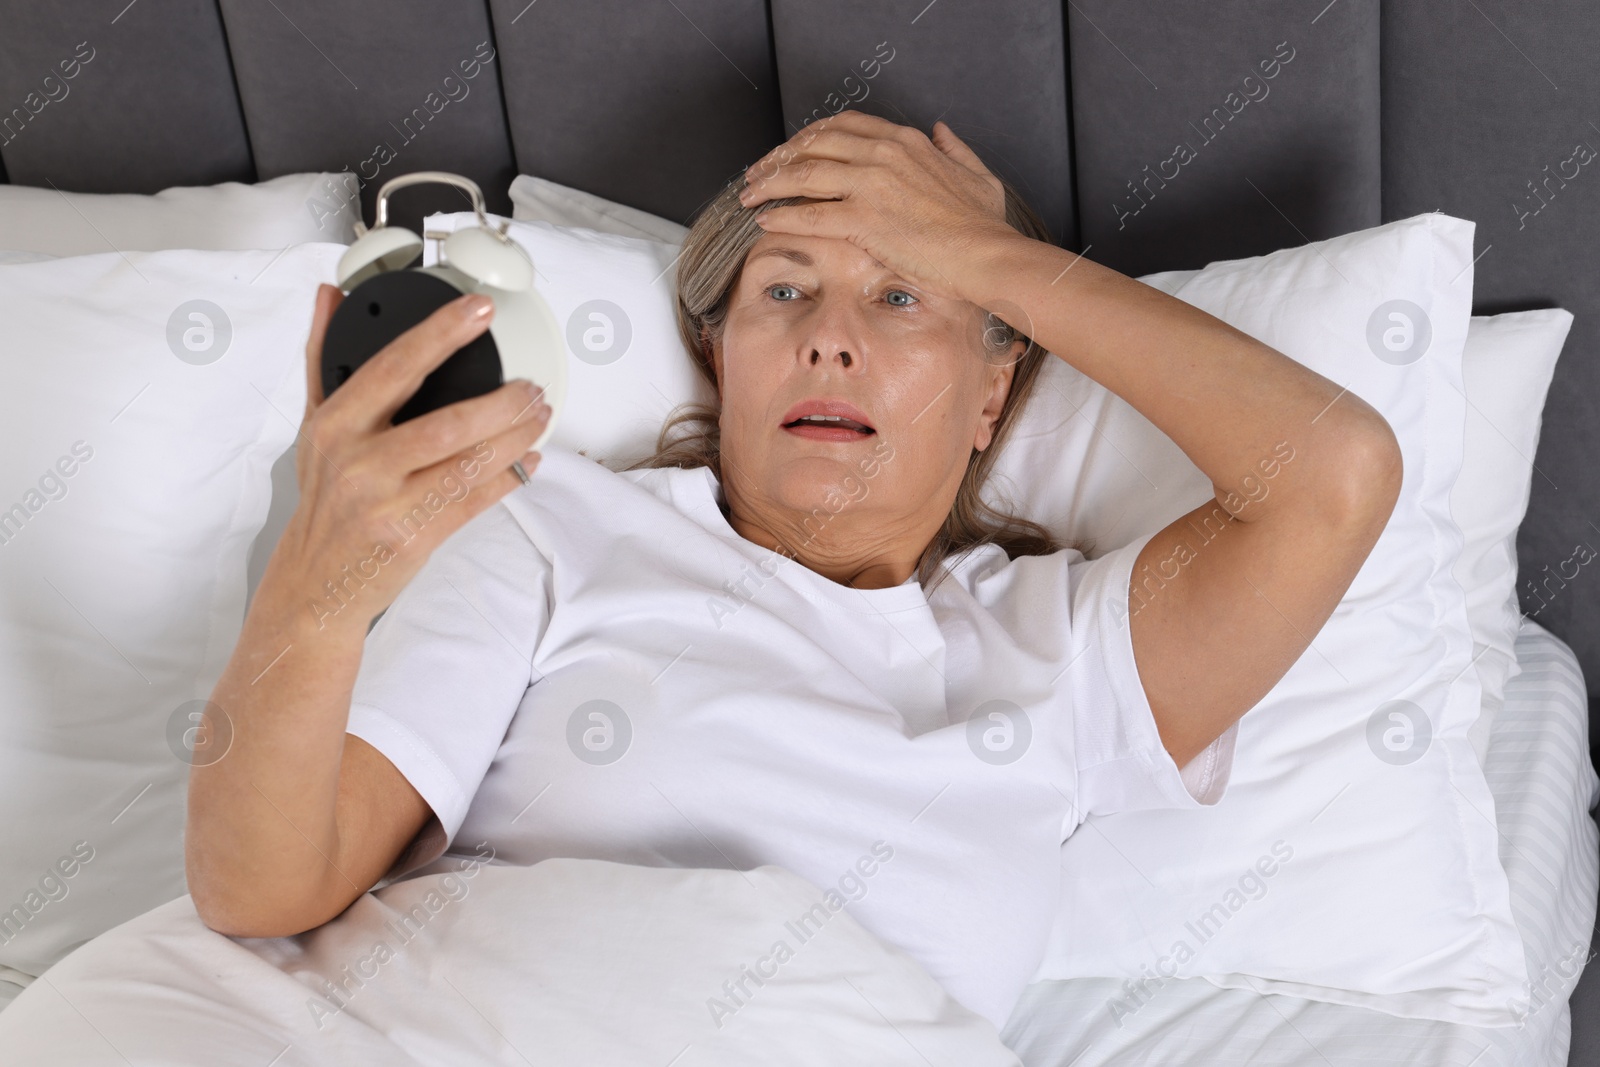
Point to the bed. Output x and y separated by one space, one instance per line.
1471 107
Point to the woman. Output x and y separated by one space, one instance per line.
810 644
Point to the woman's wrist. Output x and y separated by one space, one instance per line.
991 266
297 605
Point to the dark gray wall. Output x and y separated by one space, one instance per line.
1484 105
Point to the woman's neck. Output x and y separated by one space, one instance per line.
881 566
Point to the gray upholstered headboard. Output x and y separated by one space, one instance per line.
1374 111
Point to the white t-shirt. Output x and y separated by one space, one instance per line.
599 666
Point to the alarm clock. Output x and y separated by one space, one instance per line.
385 296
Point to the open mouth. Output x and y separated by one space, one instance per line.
827 419
828 428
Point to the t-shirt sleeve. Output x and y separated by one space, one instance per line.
1122 764
445 668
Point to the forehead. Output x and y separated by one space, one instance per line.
772 250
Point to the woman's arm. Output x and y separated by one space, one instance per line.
297 818
290 819
1236 589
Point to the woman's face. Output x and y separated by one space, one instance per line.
813 320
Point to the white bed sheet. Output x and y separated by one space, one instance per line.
487 964
11 983
1543 785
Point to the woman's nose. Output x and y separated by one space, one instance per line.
844 357
836 332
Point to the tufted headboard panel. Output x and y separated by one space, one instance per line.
1151 134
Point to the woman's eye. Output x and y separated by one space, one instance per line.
778 291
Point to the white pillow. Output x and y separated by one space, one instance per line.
573 961
146 396
540 200
1508 364
1344 864
294 209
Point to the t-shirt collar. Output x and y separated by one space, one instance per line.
703 495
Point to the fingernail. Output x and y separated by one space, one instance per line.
476 306
542 411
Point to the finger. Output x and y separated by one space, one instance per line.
328 298
945 139
485 469
856 123
382 384
423 529
820 179
423 441
829 218
835 144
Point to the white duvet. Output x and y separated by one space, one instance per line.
474 963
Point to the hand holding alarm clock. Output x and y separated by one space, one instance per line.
386 299
408 430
